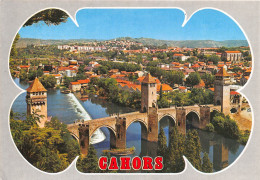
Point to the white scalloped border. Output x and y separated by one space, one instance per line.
187 163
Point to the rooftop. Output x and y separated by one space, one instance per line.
36 86
149 79
222 72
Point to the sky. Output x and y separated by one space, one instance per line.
164 24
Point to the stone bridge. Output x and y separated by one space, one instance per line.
198 116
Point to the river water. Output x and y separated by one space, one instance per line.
68 108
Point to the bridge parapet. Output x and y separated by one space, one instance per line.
83 130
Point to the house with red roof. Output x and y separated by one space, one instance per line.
24 67
196 67
181 56
74 86
165 88
84 82
233 56
182 89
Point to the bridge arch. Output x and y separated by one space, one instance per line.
215 109
192 119
107 126
167 122
143 129
142 122
112 134
74 136
193 111
165 115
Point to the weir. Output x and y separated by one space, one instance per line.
98 136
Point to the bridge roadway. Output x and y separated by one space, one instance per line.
149 121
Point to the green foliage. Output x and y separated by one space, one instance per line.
107 87
13 52
193 58
88 164
236 69
175 162
23 75
162 143
208 79
50 149
209 127
163 102
49 16
193 79
207 166
214 58
226 126
193 149
102 70
48 81
243 137
121 66
170 77
202 96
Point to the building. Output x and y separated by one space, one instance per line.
165 88
75 86
181 56
148 93
36 100
222 91
233 56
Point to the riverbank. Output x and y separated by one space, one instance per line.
243 119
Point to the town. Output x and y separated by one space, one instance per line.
175 69
184 84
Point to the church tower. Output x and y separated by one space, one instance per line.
149 93
222 91
36 100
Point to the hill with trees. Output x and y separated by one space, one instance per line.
23 42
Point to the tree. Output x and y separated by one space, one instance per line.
207 166
50 149
208 79
193 149
193 79
88 164
236 69
33 119
161 93
23 75
49 16
175 162
162 144
48 81
214 58
192 59
163 102
13 52
226 126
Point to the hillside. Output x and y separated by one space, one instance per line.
23 42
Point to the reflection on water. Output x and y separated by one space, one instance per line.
222 151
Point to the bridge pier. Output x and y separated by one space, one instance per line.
120 141
84 138
181 120
152 133
204 116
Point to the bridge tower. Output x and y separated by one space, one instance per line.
222 91
148 93
36 100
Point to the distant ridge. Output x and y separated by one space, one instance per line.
23 42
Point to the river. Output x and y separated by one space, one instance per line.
68 108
